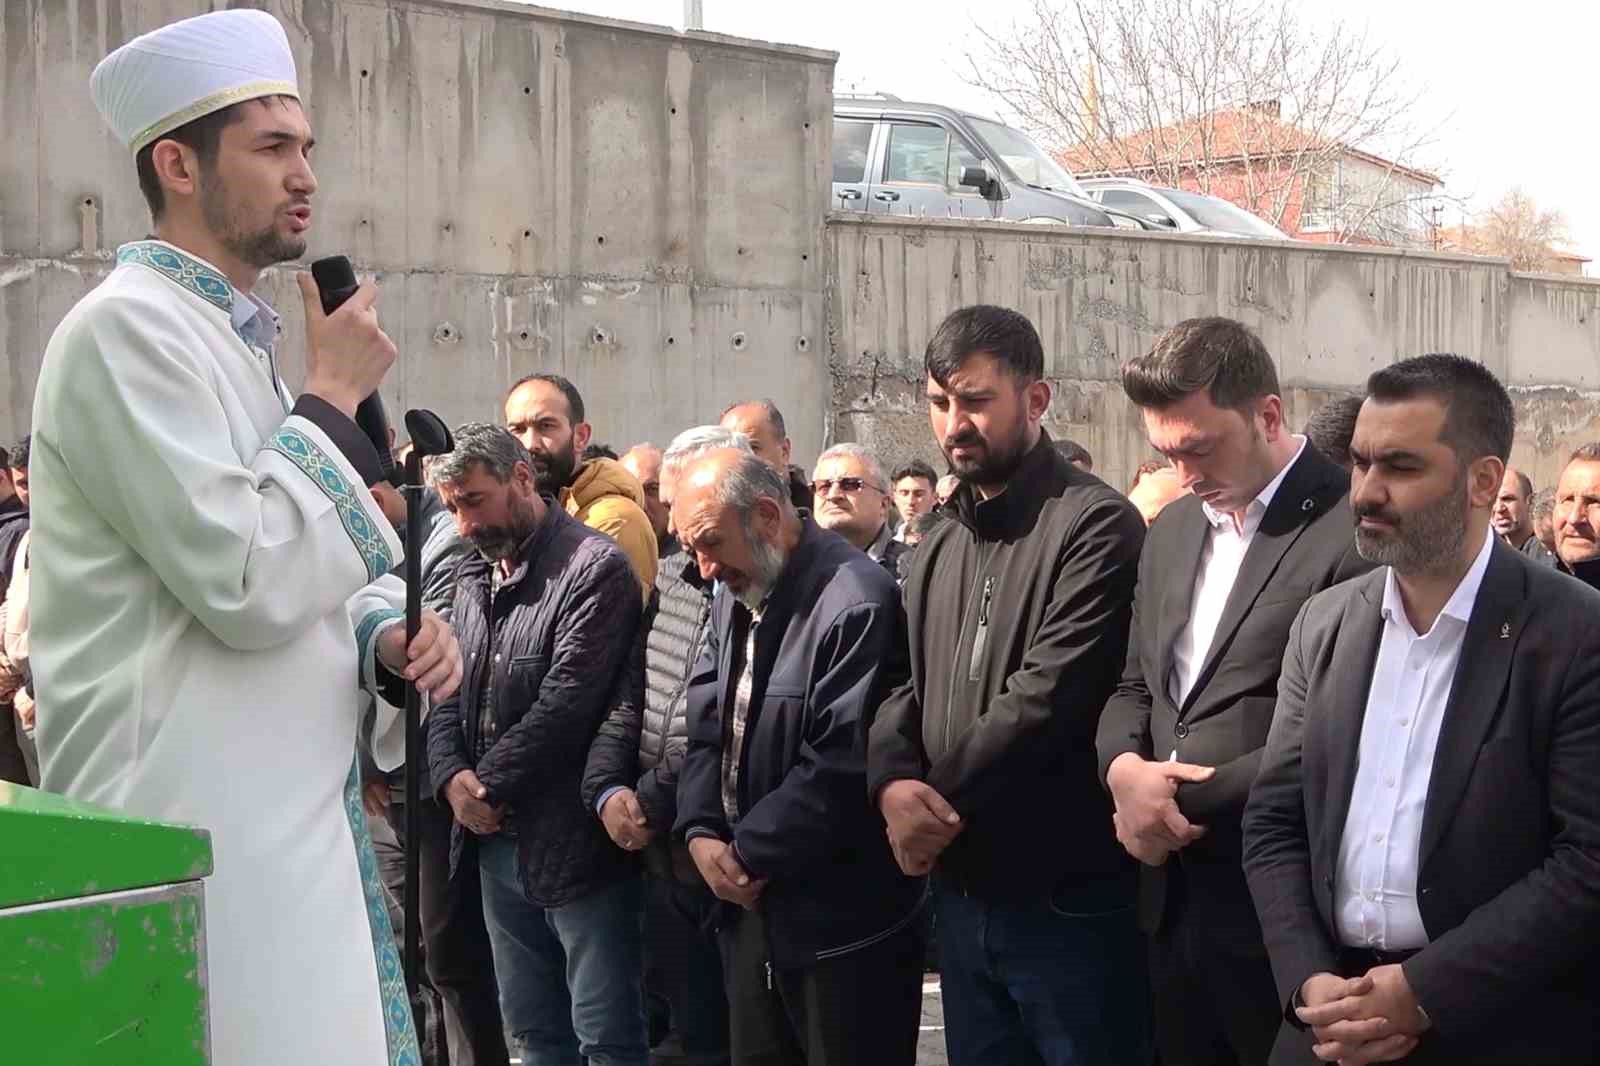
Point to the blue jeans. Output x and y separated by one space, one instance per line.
569 975
1049 982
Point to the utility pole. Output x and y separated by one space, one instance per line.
694 15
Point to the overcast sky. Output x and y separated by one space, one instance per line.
1513 88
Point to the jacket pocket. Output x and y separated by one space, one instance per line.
980 636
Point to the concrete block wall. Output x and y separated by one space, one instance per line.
1330 316
639 209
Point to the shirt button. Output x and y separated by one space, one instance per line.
1180 730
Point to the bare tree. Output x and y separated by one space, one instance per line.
1238 97
1518 229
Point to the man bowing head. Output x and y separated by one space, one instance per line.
210 593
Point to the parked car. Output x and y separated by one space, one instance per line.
892 157
1180 209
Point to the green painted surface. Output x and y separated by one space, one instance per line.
114 979
56 848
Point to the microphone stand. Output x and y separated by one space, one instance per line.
416 753
429 436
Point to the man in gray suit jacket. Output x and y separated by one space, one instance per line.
1423 839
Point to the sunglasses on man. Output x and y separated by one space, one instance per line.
846 484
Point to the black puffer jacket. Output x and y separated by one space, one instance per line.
568 618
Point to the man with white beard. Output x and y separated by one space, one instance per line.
823 962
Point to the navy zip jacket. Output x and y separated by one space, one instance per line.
830 644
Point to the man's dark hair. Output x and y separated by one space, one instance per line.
1219 356
927 522
1000 332
17 457
1073 452
1332 425
568 389
203 136
5 460
1589 453
768 408
1478 417
915 468
599 451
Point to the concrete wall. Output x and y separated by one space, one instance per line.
1330 315
638 209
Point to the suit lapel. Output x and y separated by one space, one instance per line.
1179 597
1476 692
1343 708
1305 494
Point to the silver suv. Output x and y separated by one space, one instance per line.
891 157
1179 209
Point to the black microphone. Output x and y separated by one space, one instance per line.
336 283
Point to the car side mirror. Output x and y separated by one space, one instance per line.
1164 221
979 178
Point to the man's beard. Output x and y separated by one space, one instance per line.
499 543
553 471
259 248
769 560
1421 542
1000 458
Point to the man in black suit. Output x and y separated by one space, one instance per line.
1423 839
1223 573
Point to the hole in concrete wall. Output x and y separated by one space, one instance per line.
527 233
672 340
449 228
808 125
363 73
522 336
803 344
363 222
527 90
88 201
739 342
600 336
674 111
600 239
741 251
804 257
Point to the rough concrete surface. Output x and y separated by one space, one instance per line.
1329 315
636 208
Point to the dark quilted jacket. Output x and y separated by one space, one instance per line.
569 616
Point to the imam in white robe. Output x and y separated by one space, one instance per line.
207 591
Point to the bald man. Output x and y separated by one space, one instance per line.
643 461
1512 517
1154 490
762 423
823 958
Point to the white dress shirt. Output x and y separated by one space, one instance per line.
1375 891
1220 559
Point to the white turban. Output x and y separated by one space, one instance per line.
172 76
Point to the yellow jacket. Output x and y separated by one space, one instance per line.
606 497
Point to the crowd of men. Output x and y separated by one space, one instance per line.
1284 756
1268 759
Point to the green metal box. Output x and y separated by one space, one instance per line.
102 936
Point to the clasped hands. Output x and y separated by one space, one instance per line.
1148 822
919 822
1358 1020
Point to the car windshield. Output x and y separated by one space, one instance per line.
1027 160
1213 213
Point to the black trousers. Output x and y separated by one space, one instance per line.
684 967
862 1009
1214 999
455 941
13 764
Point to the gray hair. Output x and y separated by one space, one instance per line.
691 444
479 442
748 481
851 450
